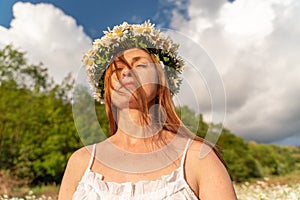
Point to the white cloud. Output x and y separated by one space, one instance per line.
255 45
247 18
48 36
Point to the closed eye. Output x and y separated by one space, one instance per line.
142 65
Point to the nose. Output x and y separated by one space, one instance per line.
126 72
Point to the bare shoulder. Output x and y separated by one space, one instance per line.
80 158
202 159
77 164
204 154
211 175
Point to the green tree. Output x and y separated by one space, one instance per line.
188 117
241 164
268 158
37 131
89 116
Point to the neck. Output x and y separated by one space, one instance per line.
136 124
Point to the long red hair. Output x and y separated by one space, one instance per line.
171 122
163 98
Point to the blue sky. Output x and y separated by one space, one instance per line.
253 44
95 16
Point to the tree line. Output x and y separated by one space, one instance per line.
38 133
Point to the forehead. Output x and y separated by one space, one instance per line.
132 55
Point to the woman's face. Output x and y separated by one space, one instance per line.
134 78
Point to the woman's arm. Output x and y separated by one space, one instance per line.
73 173
212 177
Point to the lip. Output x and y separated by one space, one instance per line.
126 84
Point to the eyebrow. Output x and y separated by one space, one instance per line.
135 59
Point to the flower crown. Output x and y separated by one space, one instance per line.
126 36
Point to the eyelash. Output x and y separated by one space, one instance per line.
142 65
139 65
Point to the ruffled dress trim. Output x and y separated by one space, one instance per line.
171 186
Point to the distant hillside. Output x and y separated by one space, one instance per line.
246 160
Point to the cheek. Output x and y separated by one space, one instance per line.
148 77
114 81
149 83
150 90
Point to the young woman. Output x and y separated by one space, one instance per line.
151 154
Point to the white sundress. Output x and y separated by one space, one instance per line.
171 186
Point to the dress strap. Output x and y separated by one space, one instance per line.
184 153
92 158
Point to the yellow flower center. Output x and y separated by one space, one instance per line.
139 30
110 34
90 62
148 29
119 33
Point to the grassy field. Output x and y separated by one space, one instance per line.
279 188
266 189
48 192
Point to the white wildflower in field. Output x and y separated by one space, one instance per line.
263 191
260 190
29 196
